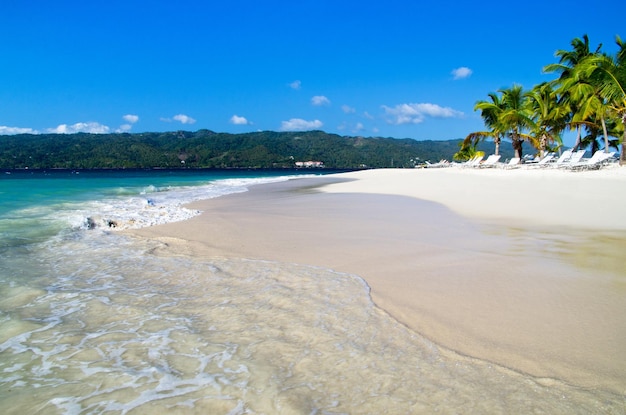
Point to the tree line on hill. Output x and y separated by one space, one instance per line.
208 149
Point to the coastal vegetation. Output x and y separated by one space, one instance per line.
208 149
588 96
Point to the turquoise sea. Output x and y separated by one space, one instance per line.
92 322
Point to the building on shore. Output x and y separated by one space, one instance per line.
309 164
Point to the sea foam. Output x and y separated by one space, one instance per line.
132 208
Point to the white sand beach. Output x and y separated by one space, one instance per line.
523 268
544 197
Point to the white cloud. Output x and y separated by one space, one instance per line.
416 113
461 73
80 127
130 118
237 120
185 119
298 124
348 109
182 118
320 100
4 130
295 85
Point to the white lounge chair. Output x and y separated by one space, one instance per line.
473 162
513 163
491 161
577 156
476 161
596 161
546 161
574 159
563 158
530 159
441 163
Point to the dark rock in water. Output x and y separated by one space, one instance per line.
91 223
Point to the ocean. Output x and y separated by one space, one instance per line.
92 322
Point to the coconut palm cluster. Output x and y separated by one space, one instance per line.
588 95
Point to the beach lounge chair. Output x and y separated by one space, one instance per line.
596 161
441 163
574 159
513 163
544 162
473 162
530 159
577 156
563 158
491 161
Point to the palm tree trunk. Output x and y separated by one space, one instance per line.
543 144
606 136
578 138
517 146
622 156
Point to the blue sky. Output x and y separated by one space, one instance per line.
398 68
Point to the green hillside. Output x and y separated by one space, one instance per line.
207 149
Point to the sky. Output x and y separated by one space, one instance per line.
393 68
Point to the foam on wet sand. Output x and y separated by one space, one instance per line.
522 268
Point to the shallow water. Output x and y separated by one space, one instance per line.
115 329
38 205
96 322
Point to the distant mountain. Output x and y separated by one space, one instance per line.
208 149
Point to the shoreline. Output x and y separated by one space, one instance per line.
473 286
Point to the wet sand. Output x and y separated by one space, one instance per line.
520 268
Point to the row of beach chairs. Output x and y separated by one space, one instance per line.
477 162
567 160
575 160
570 160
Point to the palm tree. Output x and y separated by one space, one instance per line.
589 94
568 61
466 151
609 75
550 115
584 87
505 114
516 117
490 112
